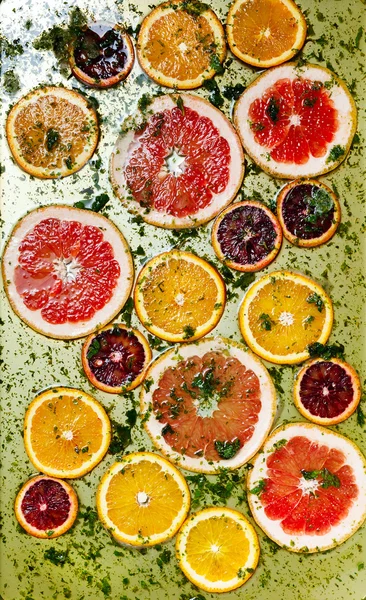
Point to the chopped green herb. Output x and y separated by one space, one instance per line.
93 348
314 298
164 558
126 313
335 153
56 557
233 92
227 449
215 64
121 434
144 102
11 82
206 383
52 139
328 479
326 351
259 488
180 105
194 7
215 97
188 331
273 109
358 37
361 419
266 322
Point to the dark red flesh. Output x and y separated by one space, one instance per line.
246 235
120 358
296 212
101 51
46 505
326 389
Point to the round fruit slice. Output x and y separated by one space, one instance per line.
179 297
143 500
296 121
217 549
247 236
309 212
46 507
208 405
282 314
327 392
66 271
181 44
116 358
66 432
265 33
178 162
307 488
102 55
52 132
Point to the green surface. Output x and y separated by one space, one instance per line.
85 563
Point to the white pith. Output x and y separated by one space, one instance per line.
286 318
219 201
265 417
68 271
343 103
347 526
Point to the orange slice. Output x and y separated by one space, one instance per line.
217 549
66 432
179 297
282 313
46 507
52 132
181 44
327 392
143 500
265 33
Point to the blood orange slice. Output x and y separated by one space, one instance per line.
307 488
309 212
327 391
208 405
46 507
296 122
66 271
178 163
247 236
115 359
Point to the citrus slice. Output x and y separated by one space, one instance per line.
143 500
66 271
178 162
265 33
102 55
309 212
179 297
296 121
307 488
282 313
66 432
327 392
181 44
115 358
217 549
52 132
247 236
46 507
208 405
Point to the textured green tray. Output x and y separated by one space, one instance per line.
95 567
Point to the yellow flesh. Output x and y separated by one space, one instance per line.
217 548
165 499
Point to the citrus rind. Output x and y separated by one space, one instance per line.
348 525
265 416
137 540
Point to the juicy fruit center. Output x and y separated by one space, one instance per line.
101 52
46 505
308 211
142 499
326 389
175 163
66 269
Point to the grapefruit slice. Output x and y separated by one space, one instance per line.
46 507
246 236
327 392
181 44
208 405
115 358
217 549
265 33
102 55
143 500
282 314
309 212
307 488
296 122
178 163
66 271
52 132
179 297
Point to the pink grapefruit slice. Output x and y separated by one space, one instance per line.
67 271
296 122
178 163
307 488
208 405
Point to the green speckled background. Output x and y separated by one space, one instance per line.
95 568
